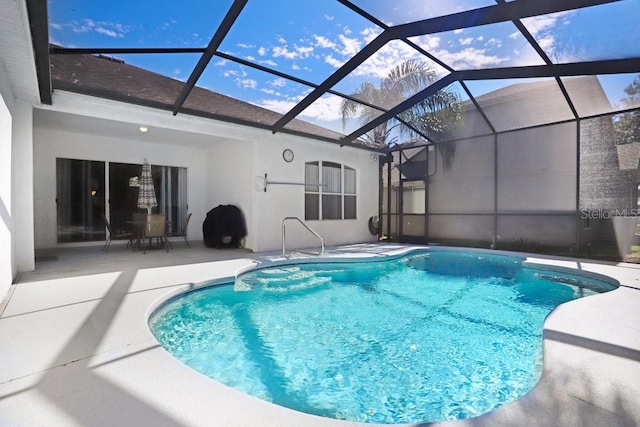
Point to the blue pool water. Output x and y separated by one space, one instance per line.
430 336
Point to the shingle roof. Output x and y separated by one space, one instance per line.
112 78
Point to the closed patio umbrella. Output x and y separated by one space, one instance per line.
147 193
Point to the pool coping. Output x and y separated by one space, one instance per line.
591 356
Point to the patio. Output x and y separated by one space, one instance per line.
77 350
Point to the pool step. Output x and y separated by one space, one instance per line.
280 280
308 282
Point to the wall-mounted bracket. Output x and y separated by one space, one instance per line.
267 182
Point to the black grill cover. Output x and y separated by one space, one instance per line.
224 227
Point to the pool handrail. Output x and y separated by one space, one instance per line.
284 252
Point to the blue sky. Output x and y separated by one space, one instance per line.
310 40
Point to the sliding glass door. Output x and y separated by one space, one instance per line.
80 198
83 197
171 192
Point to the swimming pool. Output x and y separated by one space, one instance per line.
429 336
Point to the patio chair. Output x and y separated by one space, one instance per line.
182 231
115 235
155 228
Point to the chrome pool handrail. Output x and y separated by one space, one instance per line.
284 252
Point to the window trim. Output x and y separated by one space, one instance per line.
321 193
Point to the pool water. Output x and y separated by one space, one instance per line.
432 336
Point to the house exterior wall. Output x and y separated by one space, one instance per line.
225 164
230 182
7 264
280 201
22 186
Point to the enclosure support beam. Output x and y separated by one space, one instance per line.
426 196
400 207
215 42
578 218
496 237
389 193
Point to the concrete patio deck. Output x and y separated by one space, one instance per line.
75 349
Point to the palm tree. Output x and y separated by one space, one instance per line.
436 116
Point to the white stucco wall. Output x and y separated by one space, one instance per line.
7 267
226 164
280 201
22 186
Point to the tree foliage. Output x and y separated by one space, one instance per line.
436 116
627 125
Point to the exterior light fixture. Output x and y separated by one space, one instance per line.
143 129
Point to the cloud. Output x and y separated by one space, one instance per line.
325 43
304 51
247 83
109 29
324 109
277 105
329 59
245 46
350 46
329 18
282 51
538 24
546 43
470 58
466 58
370 33
278 82
541 28
262 51
230 73
428 42
494 42
380 63
106 32
81 28
298 52
268 62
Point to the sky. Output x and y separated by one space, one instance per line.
310 40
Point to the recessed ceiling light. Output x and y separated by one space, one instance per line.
143 129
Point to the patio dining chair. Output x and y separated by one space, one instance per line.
155 228
115 235
182 231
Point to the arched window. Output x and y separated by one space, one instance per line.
330 191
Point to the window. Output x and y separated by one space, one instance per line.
333 197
